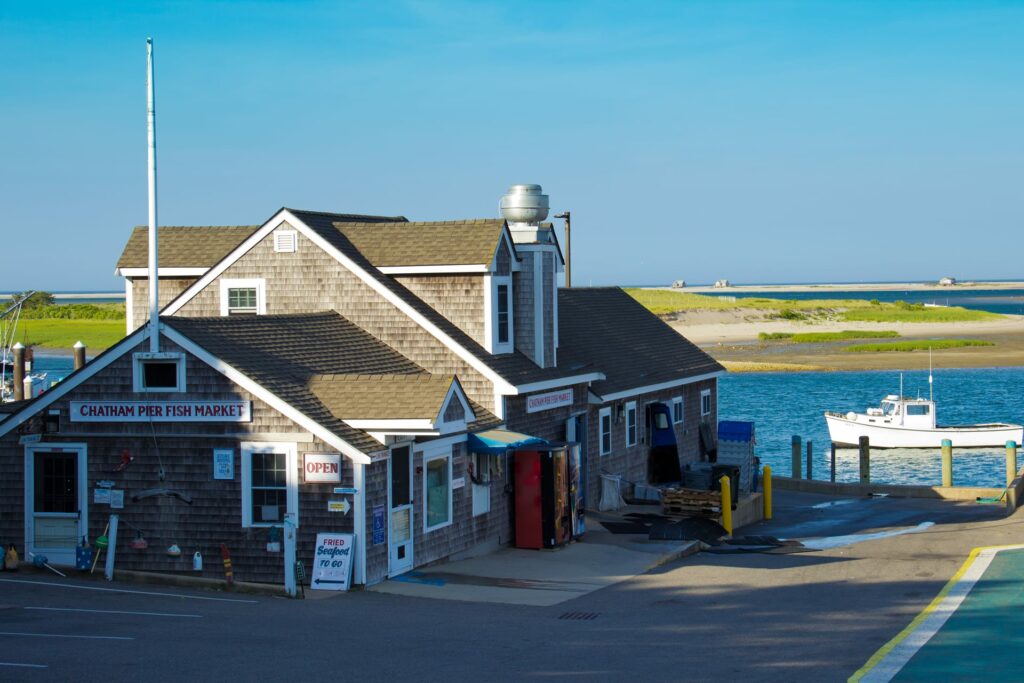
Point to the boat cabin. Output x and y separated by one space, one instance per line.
916 413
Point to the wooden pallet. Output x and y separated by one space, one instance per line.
690 502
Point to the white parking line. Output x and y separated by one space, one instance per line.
27 666
64 635
114 611
122 590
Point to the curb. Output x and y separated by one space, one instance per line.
689 548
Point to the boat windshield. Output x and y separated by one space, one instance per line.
888 407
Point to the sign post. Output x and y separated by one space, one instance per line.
332 562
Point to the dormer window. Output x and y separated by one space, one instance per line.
498 315
158 372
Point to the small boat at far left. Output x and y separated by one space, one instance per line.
35 383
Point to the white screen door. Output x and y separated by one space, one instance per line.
55 502
400 524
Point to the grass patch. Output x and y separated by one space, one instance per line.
819 337
664 302
56 333
112 311
911 313
905 346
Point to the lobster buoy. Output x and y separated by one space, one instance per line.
197 562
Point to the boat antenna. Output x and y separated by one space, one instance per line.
930 397
154 280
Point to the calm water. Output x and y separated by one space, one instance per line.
993 300
784 404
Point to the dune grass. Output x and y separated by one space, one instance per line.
821 337
59 333
921 345
664 302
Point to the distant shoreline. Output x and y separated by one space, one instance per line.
856 287
79 295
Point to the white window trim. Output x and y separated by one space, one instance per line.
631 410
279 235
261 293
678 401
139 358
429 457
603 413
491 283
292 483
705 393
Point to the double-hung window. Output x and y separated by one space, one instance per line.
605 427
631 423
243 297
269 483
705 403
677 410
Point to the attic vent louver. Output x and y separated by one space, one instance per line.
285 241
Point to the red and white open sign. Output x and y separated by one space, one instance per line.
321 468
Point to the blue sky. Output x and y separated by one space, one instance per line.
755 141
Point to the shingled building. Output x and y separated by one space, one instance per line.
324 352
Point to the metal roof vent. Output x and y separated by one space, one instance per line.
524 204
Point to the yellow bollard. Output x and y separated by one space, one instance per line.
767 491
726 487
1011 462
947 462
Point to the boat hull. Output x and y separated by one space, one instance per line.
846 432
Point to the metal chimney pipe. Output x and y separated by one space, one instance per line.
79 348
154 279
567 215
19 371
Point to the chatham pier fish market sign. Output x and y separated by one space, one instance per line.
161 411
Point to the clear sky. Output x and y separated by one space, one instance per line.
754 141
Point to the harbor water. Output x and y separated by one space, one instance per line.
787 404
783 404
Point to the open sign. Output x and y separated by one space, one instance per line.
321 468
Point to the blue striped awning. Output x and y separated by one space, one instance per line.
497 441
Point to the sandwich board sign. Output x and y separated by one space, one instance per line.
332 562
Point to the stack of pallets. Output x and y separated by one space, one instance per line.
690 503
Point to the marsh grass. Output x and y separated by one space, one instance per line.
57 333
821 337
922 345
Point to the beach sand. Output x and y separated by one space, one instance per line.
850 287
731 337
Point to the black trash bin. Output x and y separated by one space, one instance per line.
731 471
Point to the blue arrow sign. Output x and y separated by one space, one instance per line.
318 581
346 490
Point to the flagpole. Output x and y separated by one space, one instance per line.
154 279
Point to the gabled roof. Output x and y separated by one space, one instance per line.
515 368
383 397
184 246
428 243
607 328
203 246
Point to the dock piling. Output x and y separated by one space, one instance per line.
796 458
865 460
1011 462
832 474
810 460
947 462
767 485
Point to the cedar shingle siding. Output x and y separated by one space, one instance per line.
460 298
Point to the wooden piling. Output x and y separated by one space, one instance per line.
865 460
796 474
79 349
832 476
810 460
1011 462
18 379
947 462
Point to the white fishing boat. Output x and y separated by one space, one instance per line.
902 422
